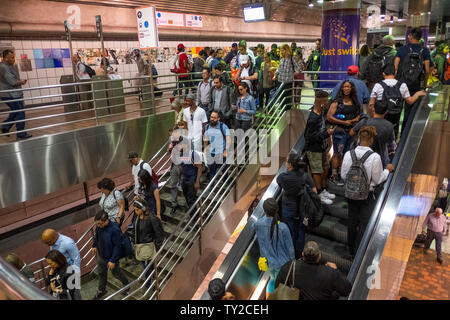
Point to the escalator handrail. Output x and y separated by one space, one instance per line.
384 195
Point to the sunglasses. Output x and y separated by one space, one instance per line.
192 117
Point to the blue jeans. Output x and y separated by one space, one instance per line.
147 274
182 82
214 166
15 116
342 141
297 230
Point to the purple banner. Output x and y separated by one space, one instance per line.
340 43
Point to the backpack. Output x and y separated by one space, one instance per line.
210 83
89 70
221 129
126 246
155 177
309 207
357 182
373 71
127 204
412 68
175 63
392 97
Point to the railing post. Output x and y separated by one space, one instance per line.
293 94
44 275
95 103
158 290
201 227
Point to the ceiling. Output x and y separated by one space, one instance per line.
293 11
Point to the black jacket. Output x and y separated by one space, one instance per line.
148 230
315 133
316 281
291 182
61 279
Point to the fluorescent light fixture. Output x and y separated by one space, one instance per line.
311 4
392 19
320 1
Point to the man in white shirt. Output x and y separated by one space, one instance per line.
360 211
389 80
137 163
195 119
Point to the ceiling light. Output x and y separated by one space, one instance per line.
311 4
392 19
383 9
370 15
320 1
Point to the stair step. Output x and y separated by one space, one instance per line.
332 228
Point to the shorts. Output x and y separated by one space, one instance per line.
342 141
318 161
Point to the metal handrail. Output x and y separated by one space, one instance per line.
200 199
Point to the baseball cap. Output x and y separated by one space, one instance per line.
311 251
353 69
274 46
180 46
133 154
243 59
243 43
190 96
234 45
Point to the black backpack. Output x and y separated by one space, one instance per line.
357 183
89 70
412 68
373 71
392 97
309 207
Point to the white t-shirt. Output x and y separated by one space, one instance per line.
244 73
135 171
377 91
195 124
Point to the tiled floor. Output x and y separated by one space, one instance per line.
424 278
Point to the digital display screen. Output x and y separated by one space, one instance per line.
254 12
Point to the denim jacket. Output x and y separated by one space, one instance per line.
248 103
278 251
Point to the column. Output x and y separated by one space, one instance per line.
340 39
419 12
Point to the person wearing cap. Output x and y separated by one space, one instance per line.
274 239
274 52
183 67
195 119
386 50
247 73
362 92
316 280
243 52
137 163
233 52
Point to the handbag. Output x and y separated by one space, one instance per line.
285 292
143 251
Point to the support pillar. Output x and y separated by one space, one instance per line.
419 12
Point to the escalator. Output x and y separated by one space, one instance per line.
240 270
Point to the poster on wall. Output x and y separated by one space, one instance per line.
340 40
147 31
194 21
169 19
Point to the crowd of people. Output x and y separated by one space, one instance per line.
363 149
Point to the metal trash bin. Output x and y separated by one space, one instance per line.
101 95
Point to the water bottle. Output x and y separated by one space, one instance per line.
339 116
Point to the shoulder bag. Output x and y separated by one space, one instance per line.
143 251
285 292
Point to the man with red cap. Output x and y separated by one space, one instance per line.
181 66
361 89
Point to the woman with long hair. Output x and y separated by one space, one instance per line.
344 113
60 277
274 239
287 69
292 181
149 190
148 229
246 108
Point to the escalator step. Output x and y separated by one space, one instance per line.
338 191
332 252
338 208
332 228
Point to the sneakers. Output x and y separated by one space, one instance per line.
439 260
325 200
337 181
328 195
23 137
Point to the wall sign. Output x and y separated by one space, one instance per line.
169 19
193 21
147 31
